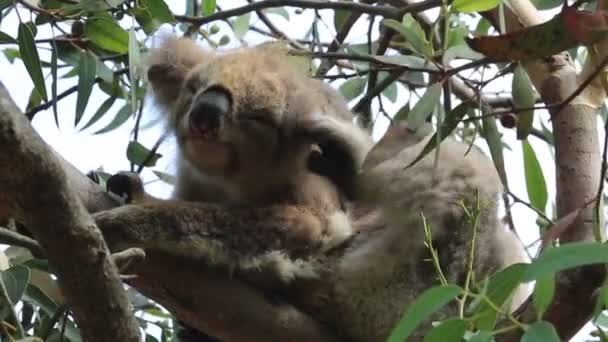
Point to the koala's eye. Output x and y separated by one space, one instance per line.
262 118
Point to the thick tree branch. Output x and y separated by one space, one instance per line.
578 170
35 185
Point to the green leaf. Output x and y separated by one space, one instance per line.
121 117
523 97
447 127
424 107
31 60
87 69
535 180
15 280
54 54
546 4
33 294
208 7
469 6
134 67
138 154
105 106
165 177
159 11
449 330
339 18
540 331
389 92
413 34
278 11
425 305
494 140
402 114
33 101
566 256
107 34
241 25
481 336
500 287
6 39
544 289
353 87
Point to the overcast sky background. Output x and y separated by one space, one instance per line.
88 151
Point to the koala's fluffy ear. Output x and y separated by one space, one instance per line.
169 63
341 149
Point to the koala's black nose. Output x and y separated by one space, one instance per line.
208 107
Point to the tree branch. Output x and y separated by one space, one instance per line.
384 11
35 185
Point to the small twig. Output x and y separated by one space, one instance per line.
387 81
538 212
384 11
32 112
275 31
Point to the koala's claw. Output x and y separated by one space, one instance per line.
127 185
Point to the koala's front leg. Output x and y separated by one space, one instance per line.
278 239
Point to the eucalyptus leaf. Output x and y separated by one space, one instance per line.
31 60
424 107
138 154
523 97
353 87
121 117
107 34
424 306
535 179
87 69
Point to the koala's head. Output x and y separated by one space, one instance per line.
249 113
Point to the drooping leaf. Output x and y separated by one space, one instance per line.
449 330
540 331
447 127
138 154
425 305
523 97
87 69
134 67
107 34
389 92
565 31
535 179
353 87
544 289
159 11
424 107
278 11
121 117
469 6
35 295
413 34
15 280
566 256
560 226
494 140
241 25
31 60
105 106
500 287
165 177
54 54
6 39
208 7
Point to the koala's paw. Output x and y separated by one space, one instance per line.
127 185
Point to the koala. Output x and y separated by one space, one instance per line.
276 186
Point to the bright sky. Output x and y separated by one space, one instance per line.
88 152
